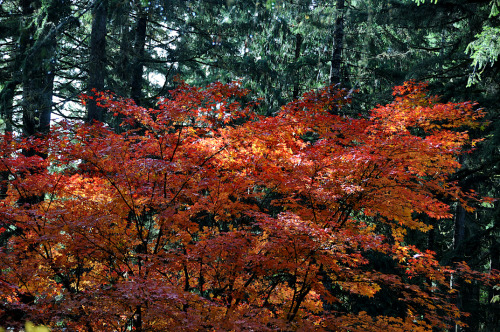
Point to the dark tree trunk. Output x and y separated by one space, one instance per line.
37 71
459 233
338 44
26 41
6 103
6 110
493 319
138 319
38 85
468 295
138 61
123 64
38 45
97 65
431 240
458 248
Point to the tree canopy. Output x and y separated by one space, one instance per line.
201 215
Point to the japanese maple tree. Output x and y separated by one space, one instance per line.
201 215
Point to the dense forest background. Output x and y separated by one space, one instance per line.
52 51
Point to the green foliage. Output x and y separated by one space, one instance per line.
483 51
496 298
494 8
419 2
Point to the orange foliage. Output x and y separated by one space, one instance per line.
203 216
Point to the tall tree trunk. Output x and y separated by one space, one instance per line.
338 44
39 50
38 85
493 318
26 42
6 104
459 232
468 292
6 101
123 67
138 61
37 72
123 64
458 247
431 238
97 65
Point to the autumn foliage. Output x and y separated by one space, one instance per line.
199 215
